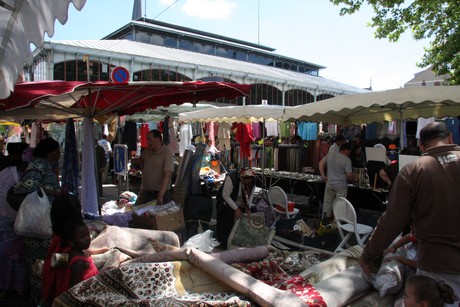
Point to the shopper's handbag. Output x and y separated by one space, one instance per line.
33 218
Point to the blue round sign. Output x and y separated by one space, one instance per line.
120 75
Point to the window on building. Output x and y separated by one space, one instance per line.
169 41
209 49
76 71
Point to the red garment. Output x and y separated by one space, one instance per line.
53 277
90 271
245 138
143 134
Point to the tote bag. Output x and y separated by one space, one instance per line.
33 218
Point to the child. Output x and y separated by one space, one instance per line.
81 266
65 209
425 291
410 256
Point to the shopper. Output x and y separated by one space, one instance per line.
427 191
157 167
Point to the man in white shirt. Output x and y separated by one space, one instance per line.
104 143
339 174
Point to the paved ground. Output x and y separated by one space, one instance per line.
111 192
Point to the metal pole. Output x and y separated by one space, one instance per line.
401 133
262 165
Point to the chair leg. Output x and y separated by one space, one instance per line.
362 239
344 241
274 223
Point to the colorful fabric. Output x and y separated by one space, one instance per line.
272 274
39 173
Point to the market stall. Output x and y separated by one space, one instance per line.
397 104
238 114
53 100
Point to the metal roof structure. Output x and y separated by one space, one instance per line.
196 65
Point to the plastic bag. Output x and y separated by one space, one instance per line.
389 278
202 241
33 218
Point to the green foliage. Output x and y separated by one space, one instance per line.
435 20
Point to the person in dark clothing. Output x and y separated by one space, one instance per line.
426 191
233 200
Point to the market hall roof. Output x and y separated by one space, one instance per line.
148 54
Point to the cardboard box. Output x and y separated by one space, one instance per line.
171 222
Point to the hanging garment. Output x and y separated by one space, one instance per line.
245 138
143 134
422 122
71 165
166 138
272 128
285 130
185 137
129 135
256 133
173 144
453 123
223 135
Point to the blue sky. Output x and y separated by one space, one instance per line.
310 30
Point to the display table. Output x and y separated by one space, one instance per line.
312 185
269 178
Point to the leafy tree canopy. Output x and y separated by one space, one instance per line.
426 19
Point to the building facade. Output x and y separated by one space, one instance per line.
157 51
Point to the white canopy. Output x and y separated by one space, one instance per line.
396 104
236 114
172 110
23 22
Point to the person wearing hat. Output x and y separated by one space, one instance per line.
12 254
234 199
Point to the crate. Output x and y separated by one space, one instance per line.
173 221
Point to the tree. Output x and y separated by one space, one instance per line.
427 19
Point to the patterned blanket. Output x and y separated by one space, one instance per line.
175 283
191 277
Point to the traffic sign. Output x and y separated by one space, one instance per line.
119 75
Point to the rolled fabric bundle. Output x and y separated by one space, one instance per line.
342 287
242 254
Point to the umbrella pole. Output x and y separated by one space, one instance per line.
401 133
262 165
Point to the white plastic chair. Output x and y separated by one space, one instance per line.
276 196
346 220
